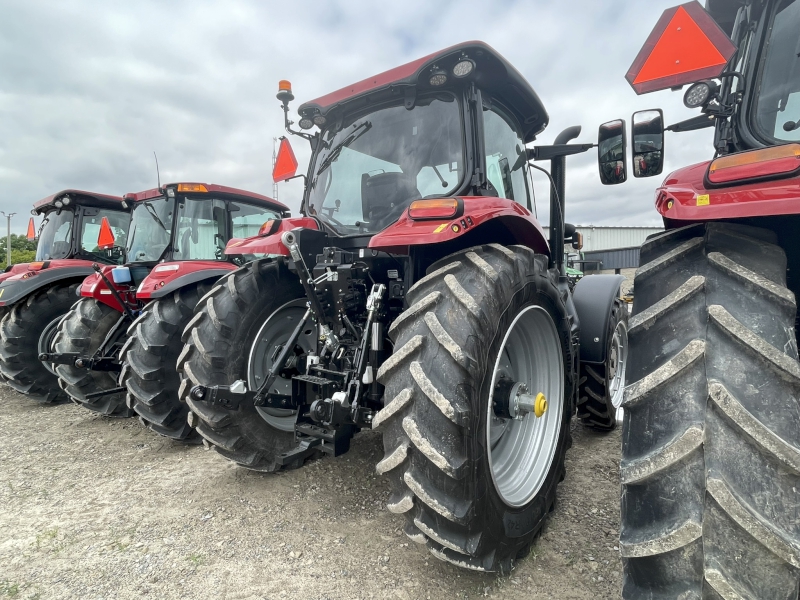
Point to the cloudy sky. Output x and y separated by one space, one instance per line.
88 90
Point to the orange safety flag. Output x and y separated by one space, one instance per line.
685 46
285 163
31 230
105 239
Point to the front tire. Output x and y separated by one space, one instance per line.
26 330
149 357
710 456
82 331
233 336
474 488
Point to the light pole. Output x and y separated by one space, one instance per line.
8 237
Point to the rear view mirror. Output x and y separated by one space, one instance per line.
611 145
648 142
285 162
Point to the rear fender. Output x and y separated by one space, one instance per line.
94 287
22 283
484 220
171 276
269 244
594 297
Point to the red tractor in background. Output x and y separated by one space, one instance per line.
35 296
417 294
116 349
711 436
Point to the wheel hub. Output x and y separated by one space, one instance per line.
512 400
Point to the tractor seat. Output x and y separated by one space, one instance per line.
384 196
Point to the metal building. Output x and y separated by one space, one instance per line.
607 238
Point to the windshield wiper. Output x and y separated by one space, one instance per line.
337 150
152 211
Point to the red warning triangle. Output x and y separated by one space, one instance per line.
31 230
105 239
685 46
285 163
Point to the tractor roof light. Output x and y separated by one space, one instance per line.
700 93
191 187
755 165
438 76
319 120
439 209
59 204
306 123
66 200
463 67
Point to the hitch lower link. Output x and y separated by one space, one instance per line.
103 363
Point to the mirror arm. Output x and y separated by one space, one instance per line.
556 150
698 122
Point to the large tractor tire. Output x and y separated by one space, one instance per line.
233 336
26 330
149 357
82 331
601 387
476 488
710 457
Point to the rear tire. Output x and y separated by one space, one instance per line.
149 357
83 330
21 331
601 387
710 457
472 497
220 340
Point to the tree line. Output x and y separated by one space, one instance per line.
22 250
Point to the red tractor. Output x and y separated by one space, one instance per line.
711 437
35 296
417 294
116 349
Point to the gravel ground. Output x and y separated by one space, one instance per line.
102 509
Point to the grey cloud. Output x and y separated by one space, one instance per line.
88 90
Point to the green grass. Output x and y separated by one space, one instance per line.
196 559
8 589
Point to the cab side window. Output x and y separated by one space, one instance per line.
505 160
248 219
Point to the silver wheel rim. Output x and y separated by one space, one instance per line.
521 452
275 331
617 363
45 345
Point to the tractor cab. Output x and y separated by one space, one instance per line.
177 236
71 224
67 241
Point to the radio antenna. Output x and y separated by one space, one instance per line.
158 175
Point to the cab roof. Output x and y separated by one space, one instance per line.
82 197
493 74
212 188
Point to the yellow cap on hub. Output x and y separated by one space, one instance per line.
540 405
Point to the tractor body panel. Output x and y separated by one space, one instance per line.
23 280
684 197
170 276
269 244
519 225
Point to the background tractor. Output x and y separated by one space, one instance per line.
35 296
115 351
711 452
417 294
